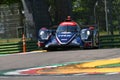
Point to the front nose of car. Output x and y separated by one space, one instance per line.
65 38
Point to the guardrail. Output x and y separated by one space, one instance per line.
109 41
9 48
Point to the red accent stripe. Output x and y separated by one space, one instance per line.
68 24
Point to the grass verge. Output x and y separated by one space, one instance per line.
109 65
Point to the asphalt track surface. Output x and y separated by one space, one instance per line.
20 61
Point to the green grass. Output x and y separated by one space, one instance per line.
109 65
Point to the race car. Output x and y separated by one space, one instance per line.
68 34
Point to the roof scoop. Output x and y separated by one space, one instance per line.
68 18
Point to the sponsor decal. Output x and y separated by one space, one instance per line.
65 38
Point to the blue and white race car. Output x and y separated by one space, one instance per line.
68 34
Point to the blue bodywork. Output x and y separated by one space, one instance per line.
68 34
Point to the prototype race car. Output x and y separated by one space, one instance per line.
68 34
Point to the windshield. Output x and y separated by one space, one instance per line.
67 29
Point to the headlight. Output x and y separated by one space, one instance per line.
85 34
44 35
88 33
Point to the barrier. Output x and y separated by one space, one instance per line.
109 41
8 48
